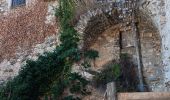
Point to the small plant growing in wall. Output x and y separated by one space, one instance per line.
90 55
108 74
122 72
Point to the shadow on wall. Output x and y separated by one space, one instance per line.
123 72
96 26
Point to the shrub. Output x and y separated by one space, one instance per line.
108 74
49 75
91 54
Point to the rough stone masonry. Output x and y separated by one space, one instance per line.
159 11
28 31
150 42
25 32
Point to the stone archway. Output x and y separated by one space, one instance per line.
158 11
99 30
102 33
151 53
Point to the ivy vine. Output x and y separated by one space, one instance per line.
51 73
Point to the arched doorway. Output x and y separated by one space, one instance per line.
102 32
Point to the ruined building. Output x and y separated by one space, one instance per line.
29 28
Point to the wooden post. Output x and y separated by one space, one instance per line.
111 91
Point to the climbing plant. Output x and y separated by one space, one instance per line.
51 73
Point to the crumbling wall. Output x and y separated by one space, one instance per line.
150 37
25 32
28 31
3 7
151 53
107 44
158 10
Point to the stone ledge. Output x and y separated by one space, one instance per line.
144 96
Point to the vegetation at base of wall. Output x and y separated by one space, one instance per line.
91 54
110 73
122 72
128 80
51 73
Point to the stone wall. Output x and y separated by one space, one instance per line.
166 45
150 43
3 6
158 10
30 30
97 31
25 33
107 44
151 53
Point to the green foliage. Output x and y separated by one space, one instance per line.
36 77
116 71
57 12
71 97
65 13
58 89
110 73
122 72
78 83
91 54
51 73
86 64
74 82
124 56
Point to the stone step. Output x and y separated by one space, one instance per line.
144 96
